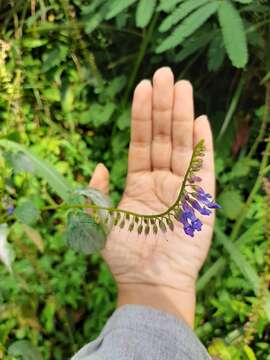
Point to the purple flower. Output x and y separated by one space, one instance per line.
10 210
196 201
197 206
189 220
188 211
204 198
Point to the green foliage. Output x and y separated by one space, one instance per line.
180 13
188 26
30 162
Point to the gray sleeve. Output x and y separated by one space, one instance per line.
137 332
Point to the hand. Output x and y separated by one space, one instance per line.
160 270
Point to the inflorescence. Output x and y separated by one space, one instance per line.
192 200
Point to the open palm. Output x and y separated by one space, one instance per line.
163 135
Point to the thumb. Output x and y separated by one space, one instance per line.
100 178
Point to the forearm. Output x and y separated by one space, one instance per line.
180 303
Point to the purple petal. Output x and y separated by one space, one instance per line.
188 229
197 225
10 210
213 205
197 206
184 219
203 193
205 211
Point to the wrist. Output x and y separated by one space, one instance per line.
177 302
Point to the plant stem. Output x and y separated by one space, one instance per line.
263 126
232 107
139 59
263 166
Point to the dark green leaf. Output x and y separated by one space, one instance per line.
83 233
27 212
216 53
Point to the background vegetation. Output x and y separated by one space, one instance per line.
67 72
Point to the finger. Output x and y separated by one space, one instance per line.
139 155
202 130
100 179
163 85
182 127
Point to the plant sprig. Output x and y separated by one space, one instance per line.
88 232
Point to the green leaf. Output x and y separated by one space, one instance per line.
188 26
249 352
93 22
19 161
100 199
231 203
5 250
83 233
244 1
34 236
123 121
117 6
193 45
180 13
99 114
94 18
89 9
216 53
234 36
42 168
27 212
24 349
246 269
168 5
33 43
144 12
54 58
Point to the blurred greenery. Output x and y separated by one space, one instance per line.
67 72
